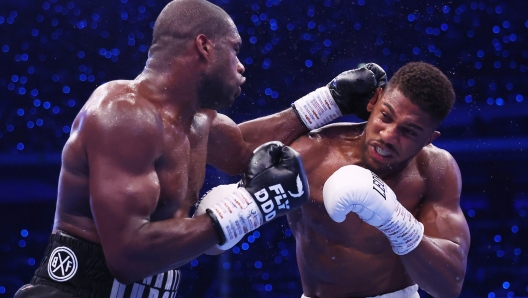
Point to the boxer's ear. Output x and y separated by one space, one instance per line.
432 137
204 46
374 99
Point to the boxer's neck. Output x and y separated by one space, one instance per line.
172 93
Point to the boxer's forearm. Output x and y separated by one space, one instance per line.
438 266
160 246
283 126
230 146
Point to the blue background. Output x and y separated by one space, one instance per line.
53 54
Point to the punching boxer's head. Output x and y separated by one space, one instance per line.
203 33
405 118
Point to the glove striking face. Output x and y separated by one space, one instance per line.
353 89
275 178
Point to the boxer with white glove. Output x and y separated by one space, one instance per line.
274 184
356 189
209 199
348 93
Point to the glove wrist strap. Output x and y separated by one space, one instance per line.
236 215
317 108
404 231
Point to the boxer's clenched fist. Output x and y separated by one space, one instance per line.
355 189
348 93
211 198
274 184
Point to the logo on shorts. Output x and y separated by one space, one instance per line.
62 264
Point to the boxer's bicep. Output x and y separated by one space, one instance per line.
231 145
124 186
227 150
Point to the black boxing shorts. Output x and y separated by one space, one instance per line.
72 267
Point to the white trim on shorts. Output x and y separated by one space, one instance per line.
409 292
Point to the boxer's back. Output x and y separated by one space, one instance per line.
350 258
119 107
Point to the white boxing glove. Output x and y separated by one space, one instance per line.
211 198
356 189
274 184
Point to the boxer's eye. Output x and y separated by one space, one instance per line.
409 132
385 117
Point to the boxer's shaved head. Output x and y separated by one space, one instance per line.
182 21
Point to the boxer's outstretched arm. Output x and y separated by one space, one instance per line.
230 145
438 264
123 150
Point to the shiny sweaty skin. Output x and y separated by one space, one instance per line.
354 259
135 160
129 164
349 259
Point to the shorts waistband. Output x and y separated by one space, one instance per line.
408 292
78 267
74 266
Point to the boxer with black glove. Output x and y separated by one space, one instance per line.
348 93
274 184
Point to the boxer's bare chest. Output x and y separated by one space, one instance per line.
181 169
408 185
348 257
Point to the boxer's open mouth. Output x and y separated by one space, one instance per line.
382 152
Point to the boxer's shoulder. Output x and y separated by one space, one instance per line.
311 147
120 96
326 149
439 172
210 114
113 90
326 136
340 130
204 118
118 104
114 118
433 161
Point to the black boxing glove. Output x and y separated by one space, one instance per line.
274 184
353 89
348 93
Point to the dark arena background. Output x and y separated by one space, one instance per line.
54 53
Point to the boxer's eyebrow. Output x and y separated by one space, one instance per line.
389 107
413 125
237 42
